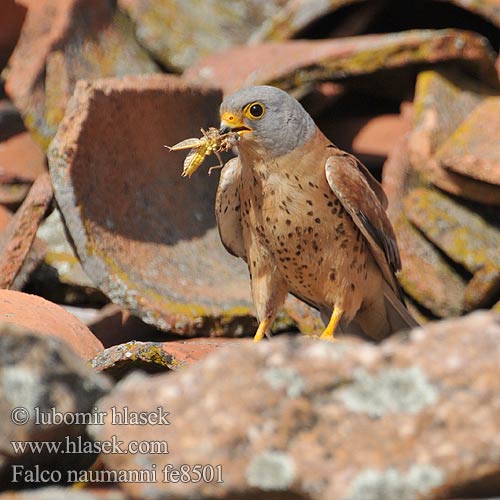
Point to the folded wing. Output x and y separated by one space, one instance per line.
353 185
228 209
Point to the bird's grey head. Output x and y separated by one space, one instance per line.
269 116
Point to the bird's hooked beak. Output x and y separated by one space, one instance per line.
233 122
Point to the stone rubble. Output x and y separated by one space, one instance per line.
41 377
415 417
112 263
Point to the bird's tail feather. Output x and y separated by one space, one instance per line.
398 316
385 317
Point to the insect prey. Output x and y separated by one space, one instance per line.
212 142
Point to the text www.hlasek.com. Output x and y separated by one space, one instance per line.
80 445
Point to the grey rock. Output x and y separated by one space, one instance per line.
299 418
46 394
58 493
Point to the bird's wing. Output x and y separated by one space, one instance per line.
373 183
351 187
365 206
228 210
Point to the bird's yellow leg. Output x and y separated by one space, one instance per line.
263 328
329 331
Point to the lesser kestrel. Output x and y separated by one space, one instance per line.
308 218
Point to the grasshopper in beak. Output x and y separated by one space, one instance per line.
212 142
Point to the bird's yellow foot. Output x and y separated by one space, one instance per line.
329 331
261 331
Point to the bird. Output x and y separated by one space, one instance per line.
308 219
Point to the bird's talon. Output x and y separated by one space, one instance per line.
262 330
328 338
329 332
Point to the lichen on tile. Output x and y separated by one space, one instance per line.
394 390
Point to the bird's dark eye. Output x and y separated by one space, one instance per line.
255 110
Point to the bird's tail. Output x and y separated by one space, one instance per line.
398 316
385 316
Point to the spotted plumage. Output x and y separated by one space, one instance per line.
307 218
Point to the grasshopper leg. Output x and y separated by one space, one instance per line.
216 167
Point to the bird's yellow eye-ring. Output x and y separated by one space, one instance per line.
255 110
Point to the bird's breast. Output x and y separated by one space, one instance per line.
299 225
